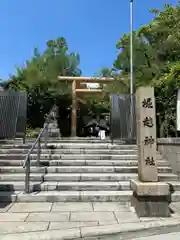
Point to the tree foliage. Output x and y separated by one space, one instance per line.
39 78
156 59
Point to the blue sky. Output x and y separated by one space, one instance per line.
91 27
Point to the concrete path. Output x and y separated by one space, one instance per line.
81 219
172 236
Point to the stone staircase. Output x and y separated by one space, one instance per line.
75 170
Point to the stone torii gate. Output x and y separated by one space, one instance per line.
77 88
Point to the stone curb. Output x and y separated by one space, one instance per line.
106 232
131 229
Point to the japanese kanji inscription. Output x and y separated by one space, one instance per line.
146 134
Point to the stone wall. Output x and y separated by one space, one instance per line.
170 150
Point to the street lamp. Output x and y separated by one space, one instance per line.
131 71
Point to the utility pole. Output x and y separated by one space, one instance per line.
131 71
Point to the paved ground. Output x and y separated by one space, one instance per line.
32 217
172 236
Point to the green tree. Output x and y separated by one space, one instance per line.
156 57
39 79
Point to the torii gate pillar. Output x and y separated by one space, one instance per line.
74 110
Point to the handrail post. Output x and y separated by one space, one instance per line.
38 151
27 175
27 162
46 136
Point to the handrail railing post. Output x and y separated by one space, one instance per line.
27 175
38 151
46 137
27 163
24 139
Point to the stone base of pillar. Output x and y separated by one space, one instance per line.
73 134
53 130
150 199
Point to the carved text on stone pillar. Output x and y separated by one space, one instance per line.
150 161
146 134
148 122
147 103
149 141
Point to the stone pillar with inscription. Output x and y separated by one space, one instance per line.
150 197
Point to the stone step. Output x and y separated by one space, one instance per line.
63 140
80 169
100 163
75 186
93 163
72 196
89 186
71 146
68 156
174 186
78 140
78 162
73 156
19 186
102 177
69 196
175 197
66 186
37 177
40 177
71 151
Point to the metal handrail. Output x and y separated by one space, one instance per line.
27 161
